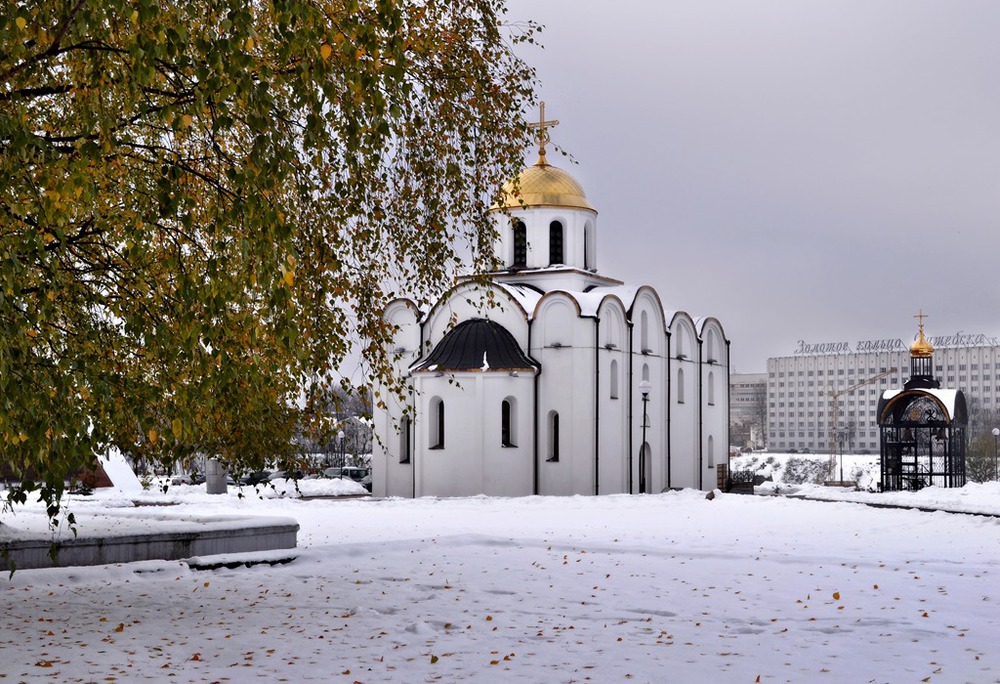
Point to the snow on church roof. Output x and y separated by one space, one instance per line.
524 295
477 344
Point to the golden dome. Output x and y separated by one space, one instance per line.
921 349
544 185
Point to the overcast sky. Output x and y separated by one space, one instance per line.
814 170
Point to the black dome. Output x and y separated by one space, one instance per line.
477 344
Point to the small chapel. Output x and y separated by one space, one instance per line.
922 427
568 382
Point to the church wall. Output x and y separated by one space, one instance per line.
649 344
685 466
473 460
715 402
389 476
507 470
613 412
446 471
566 387
537 221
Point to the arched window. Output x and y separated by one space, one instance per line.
508 422
520 245
437 423
712 358
711 388
644 333
680 385
553 450
556 243
711 451
589 246
645 372
613 381
404 439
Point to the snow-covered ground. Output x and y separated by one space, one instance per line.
656 588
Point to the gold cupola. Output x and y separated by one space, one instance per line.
543 185
921 349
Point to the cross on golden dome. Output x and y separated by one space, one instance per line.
542 135
921 348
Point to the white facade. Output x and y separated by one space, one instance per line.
799 388
539 393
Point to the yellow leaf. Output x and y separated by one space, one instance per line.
325 51
836 596
289 278
249 44
51 295
177 427
21 23
152 434
187 120
120 627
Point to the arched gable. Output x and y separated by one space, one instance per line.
472 300
648 323
556 313
683 338
404 317
713 339
894 409
614 323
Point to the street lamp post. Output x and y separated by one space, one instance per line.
644 388
340 438
842 458
996 451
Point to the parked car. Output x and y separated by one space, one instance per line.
285 475
255 478
355 473
351 473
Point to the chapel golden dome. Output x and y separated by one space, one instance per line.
544 185
921 349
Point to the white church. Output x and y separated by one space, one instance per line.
570 382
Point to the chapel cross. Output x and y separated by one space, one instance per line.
542 127
920 319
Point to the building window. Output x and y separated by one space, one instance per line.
508 422
553 451
711 388
520 245
437 423
614 379
405 426
644 333
711 451
556 243
680 385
